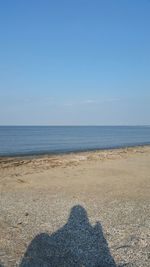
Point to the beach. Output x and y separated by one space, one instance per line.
77 209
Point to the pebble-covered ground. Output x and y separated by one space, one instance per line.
86 210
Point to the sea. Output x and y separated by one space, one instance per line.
42 140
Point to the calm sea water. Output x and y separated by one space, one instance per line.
34 140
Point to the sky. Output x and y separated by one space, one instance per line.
75 62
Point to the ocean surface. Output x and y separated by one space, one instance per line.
36 140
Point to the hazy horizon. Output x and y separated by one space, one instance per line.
75 125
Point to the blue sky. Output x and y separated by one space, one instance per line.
79 62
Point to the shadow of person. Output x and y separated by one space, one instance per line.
76 244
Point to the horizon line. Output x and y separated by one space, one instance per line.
73 125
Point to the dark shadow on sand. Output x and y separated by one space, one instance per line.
76 244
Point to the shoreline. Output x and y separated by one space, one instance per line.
75 152
38 163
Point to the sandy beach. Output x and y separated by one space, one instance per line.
86 209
